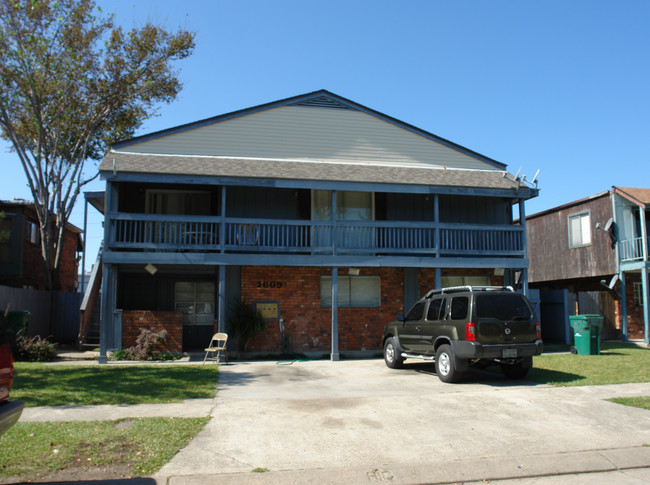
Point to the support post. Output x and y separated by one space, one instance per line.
646 302
222 298
621 279
522 223
335 311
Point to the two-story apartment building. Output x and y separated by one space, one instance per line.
597 250
284 205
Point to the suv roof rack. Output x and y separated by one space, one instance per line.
459 289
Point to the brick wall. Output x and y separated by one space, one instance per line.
309 325
133 321
635 324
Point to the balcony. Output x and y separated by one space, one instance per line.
632 249
149 232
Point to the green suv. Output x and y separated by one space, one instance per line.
466 325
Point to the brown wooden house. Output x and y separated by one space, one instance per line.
595 251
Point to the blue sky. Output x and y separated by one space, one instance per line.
559 86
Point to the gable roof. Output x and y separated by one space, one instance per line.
316 99
640 197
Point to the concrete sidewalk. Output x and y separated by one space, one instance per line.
360 422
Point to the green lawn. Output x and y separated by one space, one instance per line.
134 447
55 385
617 364
642 402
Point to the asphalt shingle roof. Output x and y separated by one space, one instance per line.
304 170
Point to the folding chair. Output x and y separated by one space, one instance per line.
217 345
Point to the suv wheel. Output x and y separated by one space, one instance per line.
446 368
392 356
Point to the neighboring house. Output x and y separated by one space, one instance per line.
283 205
21 260
596 250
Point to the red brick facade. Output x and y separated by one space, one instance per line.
133 321
309 325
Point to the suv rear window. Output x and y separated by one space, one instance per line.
503 307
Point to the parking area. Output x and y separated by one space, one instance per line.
360 419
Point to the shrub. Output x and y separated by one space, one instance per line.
145 347
34 349
244 324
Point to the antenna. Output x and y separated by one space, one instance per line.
535 177
517 175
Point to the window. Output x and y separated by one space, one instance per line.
436 309
638 294
178 202
579 230
455 280
195 300
350 206
6 225
459 307
33 233
415 313
353 291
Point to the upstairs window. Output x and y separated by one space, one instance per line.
6 225
579 229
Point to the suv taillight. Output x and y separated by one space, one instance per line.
539 331
470 332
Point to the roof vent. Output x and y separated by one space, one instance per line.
322 102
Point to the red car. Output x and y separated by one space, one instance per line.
10 411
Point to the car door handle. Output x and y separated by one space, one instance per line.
417 328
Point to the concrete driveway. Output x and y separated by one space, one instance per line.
360 422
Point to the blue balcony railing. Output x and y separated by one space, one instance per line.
149 232
632 249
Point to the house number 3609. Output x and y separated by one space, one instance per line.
269 284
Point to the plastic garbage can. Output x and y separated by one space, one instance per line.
586 333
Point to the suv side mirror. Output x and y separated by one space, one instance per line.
400 317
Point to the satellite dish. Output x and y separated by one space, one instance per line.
609 223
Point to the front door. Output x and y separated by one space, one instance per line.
195 300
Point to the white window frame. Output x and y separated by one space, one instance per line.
638 293
346 283
584 226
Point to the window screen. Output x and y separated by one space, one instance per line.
353 291
579 229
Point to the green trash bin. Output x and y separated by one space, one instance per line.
586 333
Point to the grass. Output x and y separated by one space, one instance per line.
136 447
617 364
56 385
642 402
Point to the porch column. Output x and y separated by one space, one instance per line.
107 330
621 279
522 222
646 302
222 225
335 311
222 299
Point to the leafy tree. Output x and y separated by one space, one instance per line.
72 83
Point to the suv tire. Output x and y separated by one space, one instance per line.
392 355
446 368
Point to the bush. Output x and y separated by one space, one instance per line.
145 347
244 324
34 349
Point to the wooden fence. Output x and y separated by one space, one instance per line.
54 314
